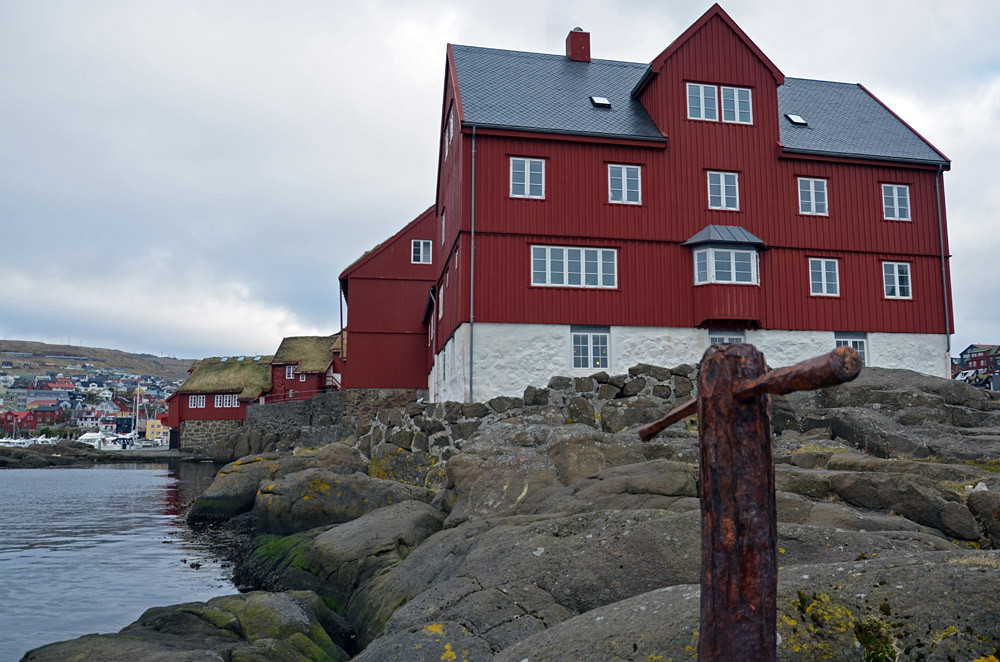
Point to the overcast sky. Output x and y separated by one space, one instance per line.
189 177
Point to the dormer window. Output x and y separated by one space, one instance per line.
703 103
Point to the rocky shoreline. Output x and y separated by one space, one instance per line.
541 528
72 453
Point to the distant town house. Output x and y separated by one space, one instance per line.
212 401
304 366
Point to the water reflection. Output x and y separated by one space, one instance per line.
88 550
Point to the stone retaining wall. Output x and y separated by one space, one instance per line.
411 441
203 437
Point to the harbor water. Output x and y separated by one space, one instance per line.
86 550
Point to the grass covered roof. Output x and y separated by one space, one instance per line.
310 353
247 376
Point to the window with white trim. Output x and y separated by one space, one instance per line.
441 301
420 251
226 401
289 372
442 228
527 178
724 337
896 280
812 196
196 401
726 265
302 378
590 346
565 266
824 277
736 106
723 190
896 202
624 184
291 392
859 341
702 103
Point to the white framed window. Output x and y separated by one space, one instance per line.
590 346
824 277
420 251
859 341
232 401
624 184
812 196
289 372
726 265
726 337
702 102
566 266
291 392
896 280
218 401
441 301
896 202
196 401
527 178
302 378
736 106
723 190
442 228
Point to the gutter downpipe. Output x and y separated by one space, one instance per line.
472 268
944 275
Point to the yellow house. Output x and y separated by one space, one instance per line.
155 429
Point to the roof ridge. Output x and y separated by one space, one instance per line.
555 56
820 80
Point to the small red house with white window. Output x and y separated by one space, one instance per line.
389 293
592 214
304 366
213 400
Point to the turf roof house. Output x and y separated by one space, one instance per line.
594 214
304 366
213 400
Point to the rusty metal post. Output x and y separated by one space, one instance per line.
739 568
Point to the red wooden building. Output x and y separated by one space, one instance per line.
593 214
17 421
304 366
388 295
214 398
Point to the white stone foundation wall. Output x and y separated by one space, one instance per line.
509 357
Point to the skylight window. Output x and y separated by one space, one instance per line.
600 102
796 119
223 359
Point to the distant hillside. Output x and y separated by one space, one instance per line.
39 354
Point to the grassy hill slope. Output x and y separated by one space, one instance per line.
110 359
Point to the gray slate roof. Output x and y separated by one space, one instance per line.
845 120
551 93
537 92
724 234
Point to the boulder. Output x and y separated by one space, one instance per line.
914 497
333 561
235 486
985 505
291 626
340 459
824 612
317 497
